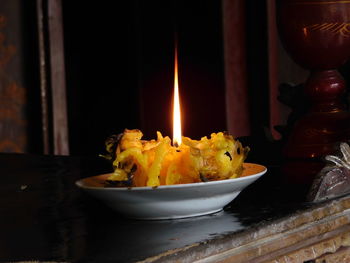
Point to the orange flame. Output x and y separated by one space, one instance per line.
176 110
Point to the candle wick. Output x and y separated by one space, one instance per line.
176 144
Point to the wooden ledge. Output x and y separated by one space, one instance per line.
305 235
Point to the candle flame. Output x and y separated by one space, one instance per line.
176 110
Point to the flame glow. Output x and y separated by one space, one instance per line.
176 110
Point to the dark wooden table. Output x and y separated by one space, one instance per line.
45 217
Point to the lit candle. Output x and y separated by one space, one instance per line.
183 160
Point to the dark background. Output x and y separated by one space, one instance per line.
119 64
119 70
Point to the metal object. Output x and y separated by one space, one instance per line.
334 179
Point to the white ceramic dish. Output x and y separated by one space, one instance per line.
171 201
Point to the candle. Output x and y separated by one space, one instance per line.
157 162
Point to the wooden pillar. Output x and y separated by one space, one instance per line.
275 116
43 78
237 110
52 77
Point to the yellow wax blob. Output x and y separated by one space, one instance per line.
140 162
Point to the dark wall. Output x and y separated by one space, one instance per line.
257 65
197 26
20 116
119 62
119 69
102 93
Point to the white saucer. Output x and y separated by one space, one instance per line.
171 201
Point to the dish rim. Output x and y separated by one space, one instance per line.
80 183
